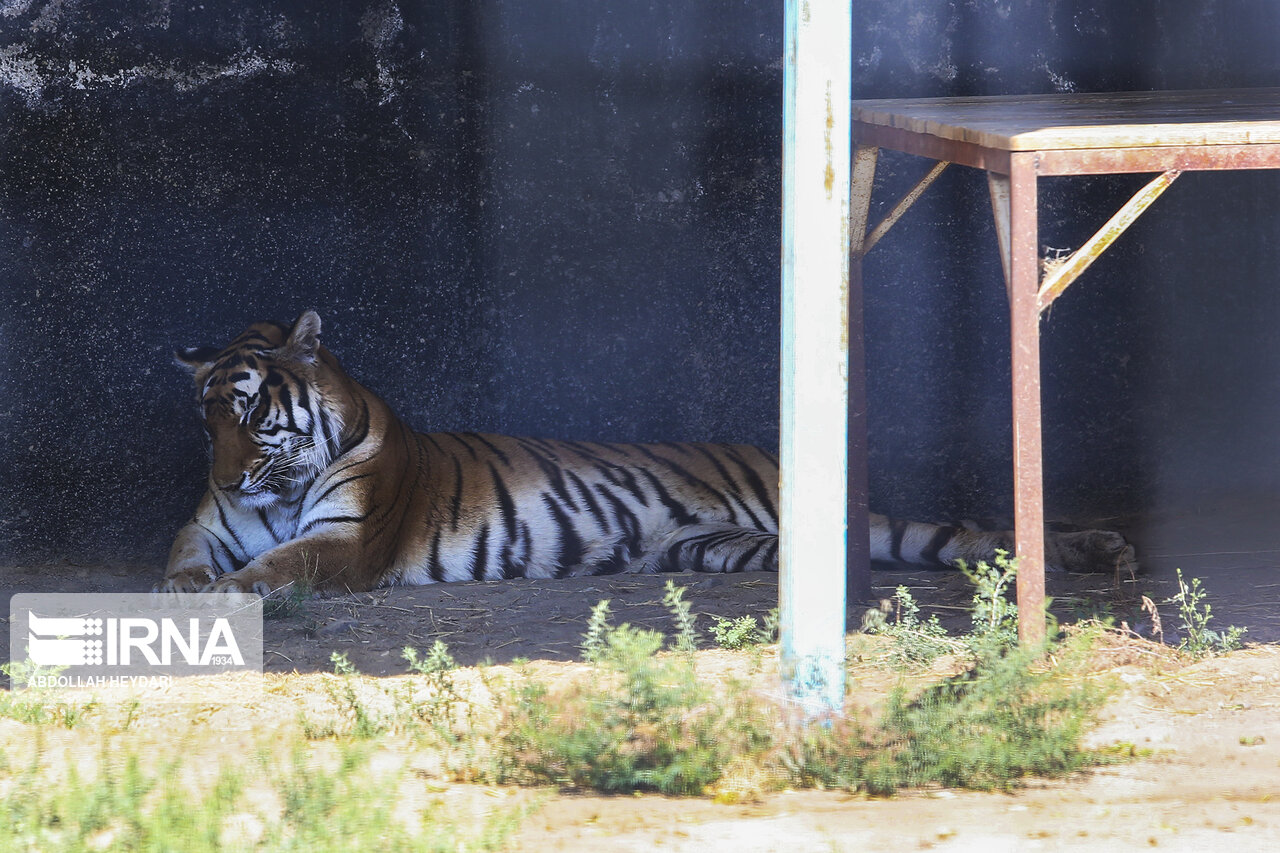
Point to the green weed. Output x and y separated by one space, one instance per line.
129 713
646 723
594 641
442 706
744 632
431 708
36 705
915 642
1010 715
1201 640
918 642
299 804
686 632
359 720
995 617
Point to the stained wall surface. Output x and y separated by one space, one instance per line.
561 218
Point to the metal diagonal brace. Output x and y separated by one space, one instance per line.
863 179
1062 275
1000 190
883 226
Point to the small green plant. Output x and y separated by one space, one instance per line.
362 722
71 714
342 665
366 709
36 705
352 807
1007 717
443 699
1011 714
127 805
645 723
769 629
1123 751
915 642
736 634
686 632
39 710
918 642
435 666
593 642
744 632
1201 640
995 617
130 713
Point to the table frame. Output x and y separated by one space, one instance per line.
1013 168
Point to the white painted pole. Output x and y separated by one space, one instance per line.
815 284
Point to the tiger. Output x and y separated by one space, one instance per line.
316 482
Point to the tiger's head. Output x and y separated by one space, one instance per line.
268 427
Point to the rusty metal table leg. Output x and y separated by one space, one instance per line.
1028 481
858 540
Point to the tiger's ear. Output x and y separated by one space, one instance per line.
195 359
303 340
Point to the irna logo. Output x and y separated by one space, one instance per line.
103 639
93 641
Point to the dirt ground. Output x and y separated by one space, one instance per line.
1213 778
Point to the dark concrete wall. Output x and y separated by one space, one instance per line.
561 218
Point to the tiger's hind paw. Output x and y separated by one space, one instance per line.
1090 551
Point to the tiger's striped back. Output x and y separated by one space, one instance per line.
523 507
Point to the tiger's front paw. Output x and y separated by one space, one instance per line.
188 580
249 580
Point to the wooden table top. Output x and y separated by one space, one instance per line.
1075 121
